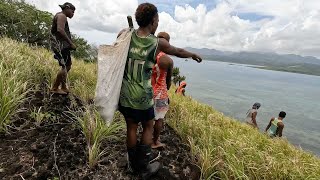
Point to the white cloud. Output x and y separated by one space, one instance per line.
98 21
214 29
291 26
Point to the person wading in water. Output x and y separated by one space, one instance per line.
275 126
252 115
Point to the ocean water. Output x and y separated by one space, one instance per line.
233 88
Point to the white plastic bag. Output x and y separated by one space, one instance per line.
111 64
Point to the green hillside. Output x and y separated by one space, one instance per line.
221 147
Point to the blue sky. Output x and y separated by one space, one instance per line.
251 16
168 6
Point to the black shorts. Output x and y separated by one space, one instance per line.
137 115
63 56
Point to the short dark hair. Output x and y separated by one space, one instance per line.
67 5
282 114
145 13
164 35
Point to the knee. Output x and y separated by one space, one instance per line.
148 125
158 123
131 126
62 72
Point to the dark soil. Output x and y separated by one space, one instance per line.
56 148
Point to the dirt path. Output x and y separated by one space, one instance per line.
57 148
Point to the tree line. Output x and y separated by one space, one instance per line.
24 22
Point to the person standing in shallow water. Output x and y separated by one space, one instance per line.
136 95
61 45
252 115
275 126
161 82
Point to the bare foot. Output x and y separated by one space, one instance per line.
158 144
58 91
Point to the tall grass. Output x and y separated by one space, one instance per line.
223 148
228 149
24 69
96 131
12 93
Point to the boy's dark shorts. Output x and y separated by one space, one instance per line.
137 115
64 55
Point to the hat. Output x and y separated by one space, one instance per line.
67 5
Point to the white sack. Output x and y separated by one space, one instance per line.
111 64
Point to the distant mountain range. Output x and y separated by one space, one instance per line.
280 62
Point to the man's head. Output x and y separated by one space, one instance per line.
164 35
282 114
147 15
68 9
256 105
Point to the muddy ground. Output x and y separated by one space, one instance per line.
56 148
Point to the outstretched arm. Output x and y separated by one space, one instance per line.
179 52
